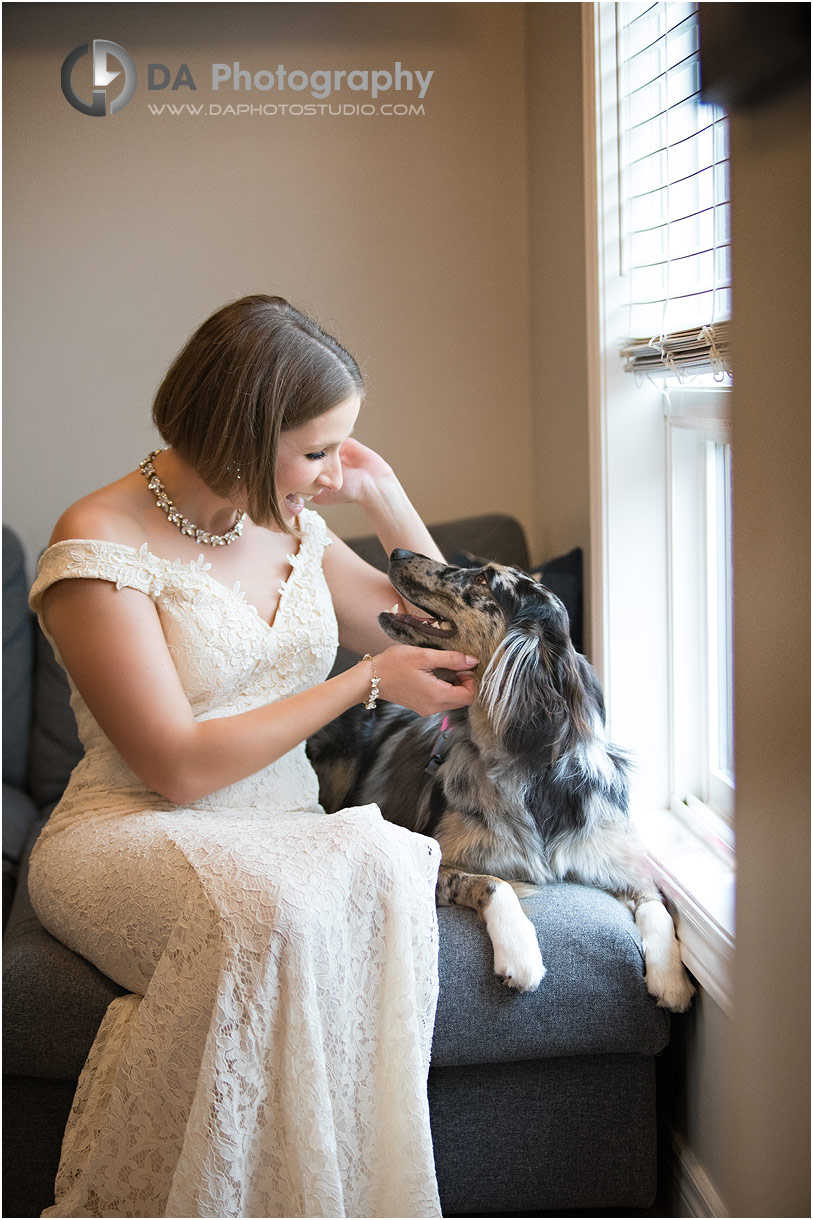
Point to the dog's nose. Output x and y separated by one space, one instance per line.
400 553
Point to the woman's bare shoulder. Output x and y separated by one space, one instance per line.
110 514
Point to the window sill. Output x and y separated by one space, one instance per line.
699 887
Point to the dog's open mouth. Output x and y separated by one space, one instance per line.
436 628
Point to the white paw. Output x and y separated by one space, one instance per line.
517 957
670 987
666 978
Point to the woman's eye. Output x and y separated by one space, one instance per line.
315 457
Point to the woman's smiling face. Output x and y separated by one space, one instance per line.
308 456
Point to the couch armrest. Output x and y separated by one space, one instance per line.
18 661
592 1001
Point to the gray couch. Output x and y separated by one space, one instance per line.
539 1102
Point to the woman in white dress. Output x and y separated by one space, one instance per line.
271 1057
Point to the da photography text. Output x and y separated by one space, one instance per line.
94 87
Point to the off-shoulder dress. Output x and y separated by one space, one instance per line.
271 1056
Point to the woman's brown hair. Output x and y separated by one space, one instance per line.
254 369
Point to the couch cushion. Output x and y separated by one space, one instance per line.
563 576
497 535
55 748
580 1134
19 815
591 1001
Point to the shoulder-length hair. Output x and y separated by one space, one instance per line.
254 369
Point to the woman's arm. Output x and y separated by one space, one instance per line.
359 591
112 644
371 482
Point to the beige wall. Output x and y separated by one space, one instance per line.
558 285
408 236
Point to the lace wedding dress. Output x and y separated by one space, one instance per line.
271 1059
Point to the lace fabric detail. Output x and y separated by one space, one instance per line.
271 1059
227 658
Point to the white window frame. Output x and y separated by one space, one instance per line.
698 435
634 554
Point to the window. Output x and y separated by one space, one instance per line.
675 217
662 494
698 456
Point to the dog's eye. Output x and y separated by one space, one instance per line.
481 579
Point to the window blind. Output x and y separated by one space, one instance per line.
675 208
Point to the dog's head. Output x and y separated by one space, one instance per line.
536 690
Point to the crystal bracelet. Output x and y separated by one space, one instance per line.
371 702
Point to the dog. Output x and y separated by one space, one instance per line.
521 787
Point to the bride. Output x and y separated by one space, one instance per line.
271 1056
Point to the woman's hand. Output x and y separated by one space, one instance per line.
363 471
406 676
360 592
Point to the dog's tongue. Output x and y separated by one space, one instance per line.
295 504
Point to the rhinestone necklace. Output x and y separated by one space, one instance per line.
177 518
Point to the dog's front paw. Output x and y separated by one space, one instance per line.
671 987
517 957
666 978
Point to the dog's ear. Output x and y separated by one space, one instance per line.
581 691
590 687
517 695
538 698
